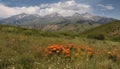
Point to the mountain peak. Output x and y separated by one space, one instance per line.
21 15
54 18
76 14
54 15
87 14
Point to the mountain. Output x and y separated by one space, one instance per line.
90 18
110 31
56 21
52 18
19 19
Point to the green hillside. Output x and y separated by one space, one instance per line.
22 48
111 31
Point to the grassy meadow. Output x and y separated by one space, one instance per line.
22 48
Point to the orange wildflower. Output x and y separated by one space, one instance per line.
57 49
49 52
70 45
67 55
89 49
54 49
65 51
90 52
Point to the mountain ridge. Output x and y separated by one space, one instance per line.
56 21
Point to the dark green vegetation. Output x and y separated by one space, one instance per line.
109 31
22 48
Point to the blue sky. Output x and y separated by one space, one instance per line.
108 8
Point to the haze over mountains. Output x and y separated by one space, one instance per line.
56 21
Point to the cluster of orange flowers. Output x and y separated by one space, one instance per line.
112 55
70 49
59 49
65 50
89 51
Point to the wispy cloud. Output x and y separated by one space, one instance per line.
66 8
106 7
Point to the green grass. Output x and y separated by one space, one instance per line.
22 48
111 31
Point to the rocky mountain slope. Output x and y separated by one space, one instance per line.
56 21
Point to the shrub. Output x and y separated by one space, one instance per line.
117 38
97 36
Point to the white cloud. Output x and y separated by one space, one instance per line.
66 8
6 11
106 7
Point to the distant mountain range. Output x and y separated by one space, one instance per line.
55 21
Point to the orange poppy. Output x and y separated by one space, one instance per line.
90 52
49 52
